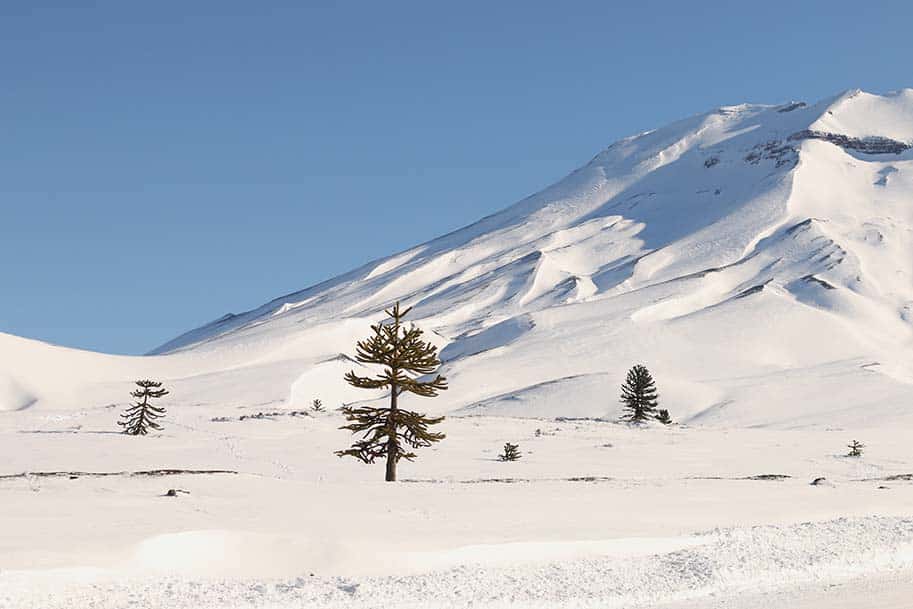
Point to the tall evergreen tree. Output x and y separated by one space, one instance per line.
638 394
390 432
141 417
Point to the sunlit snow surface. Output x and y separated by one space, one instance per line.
758 259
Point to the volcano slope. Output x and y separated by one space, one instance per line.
753 246
757 259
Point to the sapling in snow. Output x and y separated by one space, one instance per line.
855 449
511 452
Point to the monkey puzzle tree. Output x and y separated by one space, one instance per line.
855 449
141 417
638 394
390 432
511 452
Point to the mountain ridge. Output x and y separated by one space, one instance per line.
655 157
749 242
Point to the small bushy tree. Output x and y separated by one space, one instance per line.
663 416
317 405
511 452
855 449
390 432
141 417
638 394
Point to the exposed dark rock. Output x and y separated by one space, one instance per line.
791 106
752 290
820 482
868 145
263 415
898 477
774 150
820 282
710 162
801 226
148 472
761 477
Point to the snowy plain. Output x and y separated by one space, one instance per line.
759 259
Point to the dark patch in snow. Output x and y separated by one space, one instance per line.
896 478
148 472
773 150
814 280
752 290
263 415
868 145
757 477
801 226
791 106
884 173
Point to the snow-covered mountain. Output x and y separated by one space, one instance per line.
757 258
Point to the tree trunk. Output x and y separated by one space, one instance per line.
391 439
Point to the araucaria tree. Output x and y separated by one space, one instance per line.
855 449
511 452
141 417
638 394
391 432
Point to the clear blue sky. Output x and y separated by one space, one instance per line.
163 163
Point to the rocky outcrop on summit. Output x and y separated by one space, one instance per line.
867 145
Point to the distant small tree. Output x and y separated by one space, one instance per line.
855 449
511 452
317 405
638 394
389 432
662 415
138 419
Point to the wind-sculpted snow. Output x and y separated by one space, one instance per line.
632 573
13 396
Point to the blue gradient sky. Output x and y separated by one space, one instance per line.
163 163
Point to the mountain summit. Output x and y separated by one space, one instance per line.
758 258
